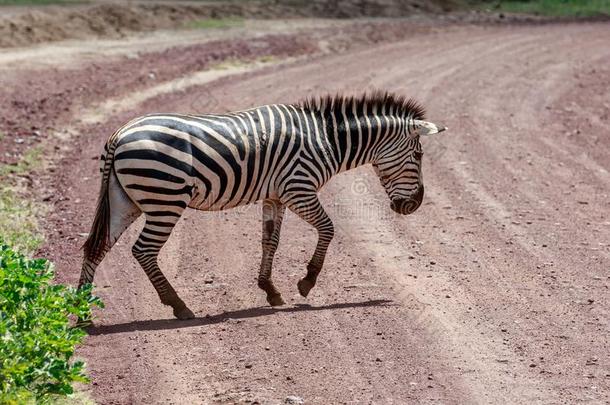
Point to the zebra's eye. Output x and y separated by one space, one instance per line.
418 155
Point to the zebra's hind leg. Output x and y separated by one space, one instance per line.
117 213
121 212
146 251
273 213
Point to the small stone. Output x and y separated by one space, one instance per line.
432 262
294 400
378 359
591 362
248 365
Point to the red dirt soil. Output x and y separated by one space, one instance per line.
21 26
494 291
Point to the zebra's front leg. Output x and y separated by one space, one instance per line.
310 210
273 213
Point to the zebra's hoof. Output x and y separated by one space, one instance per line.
275 300
183 313
304 286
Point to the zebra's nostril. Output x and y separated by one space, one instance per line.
419 196
395 206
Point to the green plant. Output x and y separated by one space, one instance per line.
37 341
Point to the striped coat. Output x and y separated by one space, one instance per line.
160 164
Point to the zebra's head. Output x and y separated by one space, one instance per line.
398 165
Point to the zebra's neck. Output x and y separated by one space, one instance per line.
355 137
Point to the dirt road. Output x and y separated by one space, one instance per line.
495 291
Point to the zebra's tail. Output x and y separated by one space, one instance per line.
98 239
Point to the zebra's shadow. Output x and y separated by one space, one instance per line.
163 324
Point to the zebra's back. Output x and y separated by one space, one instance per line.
209 162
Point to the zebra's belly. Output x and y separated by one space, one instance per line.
211 202
218 205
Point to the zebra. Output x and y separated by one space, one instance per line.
282 154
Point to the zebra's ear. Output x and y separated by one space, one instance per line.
425 128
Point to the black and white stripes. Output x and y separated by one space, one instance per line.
161 164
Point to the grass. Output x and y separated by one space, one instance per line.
29 161
554 8
18 224
215 23
234 62
36 2
19 228
78 398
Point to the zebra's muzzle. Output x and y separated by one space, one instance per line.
406 206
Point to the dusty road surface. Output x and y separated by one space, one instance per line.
494 291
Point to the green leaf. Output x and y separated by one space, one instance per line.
37 340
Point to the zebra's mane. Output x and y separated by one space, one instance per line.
398 104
